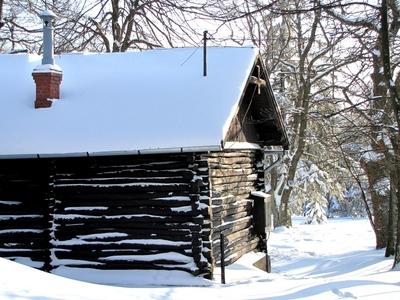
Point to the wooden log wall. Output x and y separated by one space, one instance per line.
24 206
129 212
132 212
233 176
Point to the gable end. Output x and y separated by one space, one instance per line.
258 119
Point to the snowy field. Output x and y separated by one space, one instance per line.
336 260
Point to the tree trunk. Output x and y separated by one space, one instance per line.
391 216
375 173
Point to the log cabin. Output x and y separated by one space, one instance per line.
134 160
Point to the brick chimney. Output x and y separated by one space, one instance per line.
48 75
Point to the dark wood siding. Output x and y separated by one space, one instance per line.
23 211
139 212
129 212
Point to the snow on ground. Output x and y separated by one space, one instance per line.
336 260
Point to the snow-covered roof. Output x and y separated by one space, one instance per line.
156 99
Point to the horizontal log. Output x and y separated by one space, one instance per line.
94 254
122 226
127 219
234 153
226 192
24 244
234 253
215 173
230 166
251 179
87 199
101 190
219 220
112 181
229 209
229 199
151 165
233 188
236 237
23 210
228 228
158 211
230 160
137 266
32 240
135 173
128 244
125 236
156 232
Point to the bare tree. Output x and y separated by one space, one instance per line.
376 31
1 13
108 25
297 45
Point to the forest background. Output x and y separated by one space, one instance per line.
335 70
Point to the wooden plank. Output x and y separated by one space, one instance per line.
252 178
233 188
136 266
231 227
220 219
233 153
122 245
215 173
132 173
216 166
130 225
120 181
230 160
234 253
101 190
87 199
226 192
155 235
229 209
122 210
128 219
94 254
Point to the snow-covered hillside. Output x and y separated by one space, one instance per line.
331 261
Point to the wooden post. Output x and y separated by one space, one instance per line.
205 53
267 257
222 245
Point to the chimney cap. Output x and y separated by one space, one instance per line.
47 14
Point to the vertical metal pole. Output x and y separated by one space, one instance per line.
205 53
222 246
267 257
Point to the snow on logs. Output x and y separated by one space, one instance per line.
129 212
22 212
141 213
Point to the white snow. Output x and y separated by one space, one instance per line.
89 208
335 260
76 241
102 235
21 231
371 155
382 186
47 68
10 202
15 217
134 101
260 194
159 256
